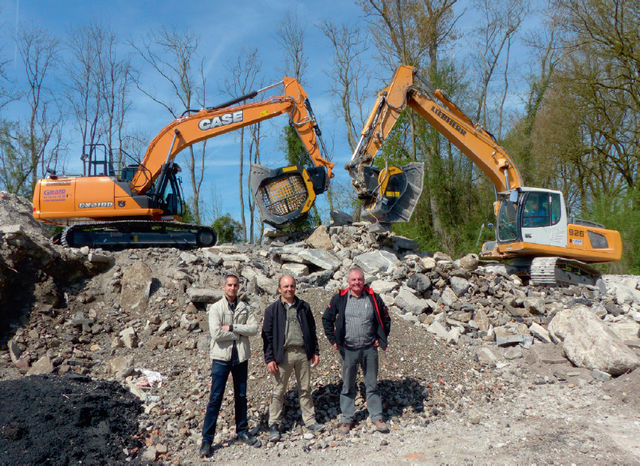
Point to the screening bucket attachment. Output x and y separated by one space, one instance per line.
285 195
394 191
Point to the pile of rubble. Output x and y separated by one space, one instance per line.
33 273
463 333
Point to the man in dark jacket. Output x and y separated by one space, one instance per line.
290 344
357 323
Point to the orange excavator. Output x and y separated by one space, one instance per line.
533 230
142 204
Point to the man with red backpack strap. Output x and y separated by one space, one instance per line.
357 323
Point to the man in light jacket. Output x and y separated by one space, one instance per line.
231 323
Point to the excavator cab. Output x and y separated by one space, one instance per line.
533 215
285 195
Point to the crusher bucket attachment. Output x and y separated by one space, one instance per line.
285 195
393 191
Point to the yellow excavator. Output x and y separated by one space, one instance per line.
533 230
141 204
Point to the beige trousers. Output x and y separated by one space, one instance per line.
295 360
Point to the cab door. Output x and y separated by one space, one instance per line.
543 219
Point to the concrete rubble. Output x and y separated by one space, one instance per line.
456 323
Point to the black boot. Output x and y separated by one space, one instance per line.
205 449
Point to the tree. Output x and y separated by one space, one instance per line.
5 93
602 66
499 22
31 146
291 38
586 129
254 156
544 47
229 230
99 83
350 78
244 78
415 32
349 75
173 57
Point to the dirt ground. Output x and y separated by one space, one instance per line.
549 423
51 419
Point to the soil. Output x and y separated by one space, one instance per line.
51 419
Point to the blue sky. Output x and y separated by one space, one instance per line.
225 29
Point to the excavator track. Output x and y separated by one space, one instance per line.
125 234
560 271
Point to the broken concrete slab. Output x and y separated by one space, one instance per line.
588 342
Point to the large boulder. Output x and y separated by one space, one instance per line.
136 287
588 342
419 282
408 302
320 239
320 258
374 262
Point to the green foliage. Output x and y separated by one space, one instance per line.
622 214
295 152
187 211
229 230
15 166
395 150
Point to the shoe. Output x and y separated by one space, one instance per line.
274 433
315 427
205 450
249 440
345 427
381 426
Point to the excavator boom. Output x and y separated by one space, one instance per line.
207 123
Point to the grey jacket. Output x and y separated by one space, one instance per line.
244 325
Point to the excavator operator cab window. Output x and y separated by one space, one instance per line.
537 210
507 226
172 194
556 208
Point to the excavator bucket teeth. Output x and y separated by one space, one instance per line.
398 191
285 195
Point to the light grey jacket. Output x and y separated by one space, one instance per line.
244 325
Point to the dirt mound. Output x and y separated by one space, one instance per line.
15 210
67 419
34 274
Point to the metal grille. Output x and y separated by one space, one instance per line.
284 195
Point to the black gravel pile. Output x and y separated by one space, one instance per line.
67 419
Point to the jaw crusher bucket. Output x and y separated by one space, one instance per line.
285 195
393 191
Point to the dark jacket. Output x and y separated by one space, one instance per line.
333 318
274 327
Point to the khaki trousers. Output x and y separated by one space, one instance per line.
295 360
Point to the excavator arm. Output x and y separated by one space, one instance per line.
433 105
207 123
